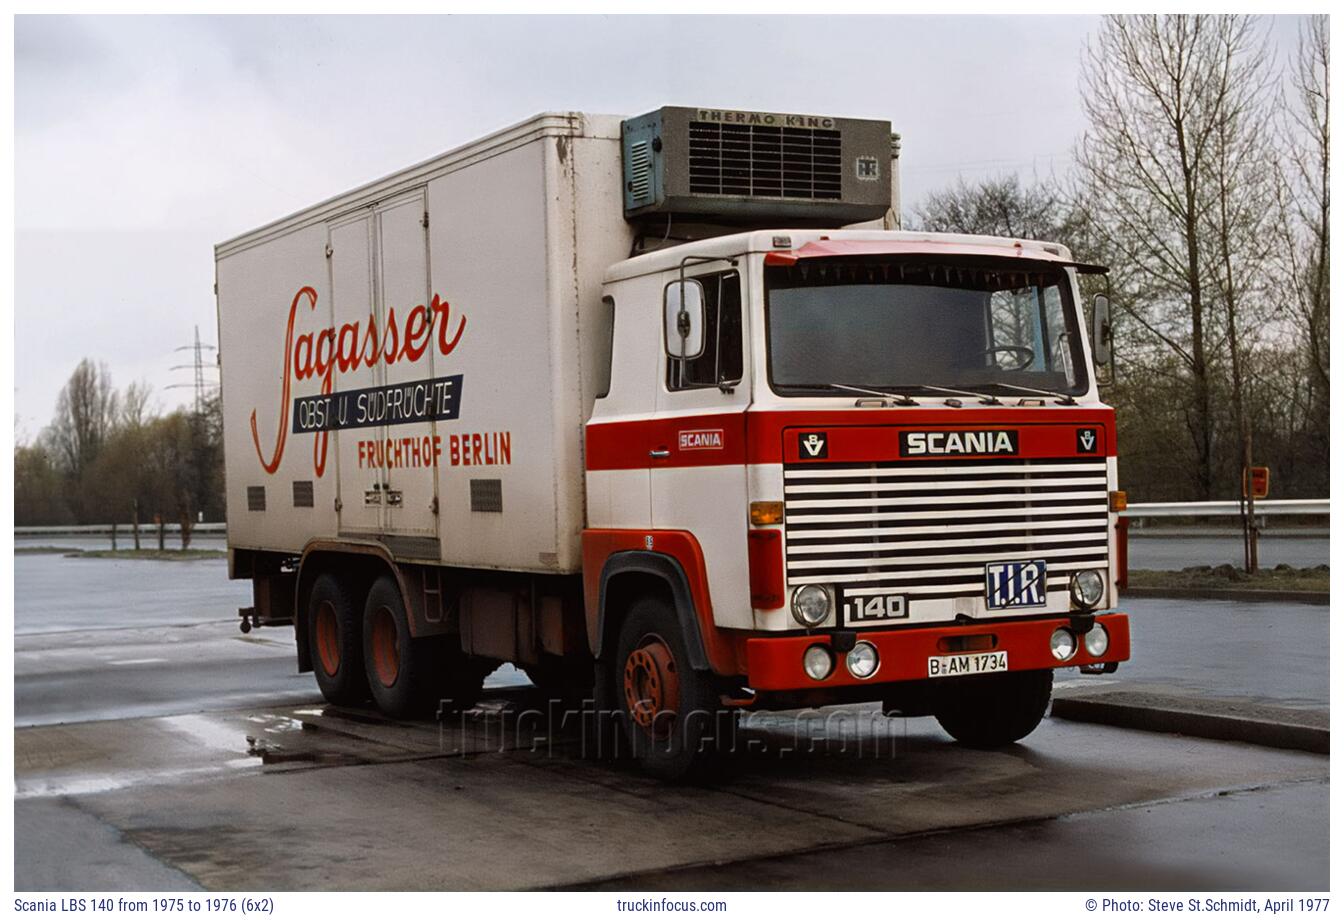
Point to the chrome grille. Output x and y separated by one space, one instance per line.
926 529
764 161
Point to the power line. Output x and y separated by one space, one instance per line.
198 366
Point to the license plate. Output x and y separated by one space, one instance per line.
963 665
1015 584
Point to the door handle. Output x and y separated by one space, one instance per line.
660 454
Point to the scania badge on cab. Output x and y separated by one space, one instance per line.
667 413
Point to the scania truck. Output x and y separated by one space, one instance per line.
667 412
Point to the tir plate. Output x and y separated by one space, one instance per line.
963 665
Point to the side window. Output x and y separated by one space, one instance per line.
721 359
606 338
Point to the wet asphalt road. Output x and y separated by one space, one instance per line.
193 756
109 639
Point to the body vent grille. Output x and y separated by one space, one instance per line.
487 495
764 161
641 170
256 498
303 493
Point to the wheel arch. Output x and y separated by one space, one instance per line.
360 563
634 573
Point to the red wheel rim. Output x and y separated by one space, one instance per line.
328 639
386 648
652 688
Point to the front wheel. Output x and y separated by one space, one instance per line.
995 710
666 708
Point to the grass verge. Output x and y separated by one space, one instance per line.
1279 578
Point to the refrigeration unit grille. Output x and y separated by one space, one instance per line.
765 161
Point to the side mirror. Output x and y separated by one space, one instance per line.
684 319
1101 330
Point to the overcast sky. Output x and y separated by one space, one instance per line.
142 141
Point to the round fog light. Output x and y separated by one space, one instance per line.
1096 641
862 660
811 605
817 662
1086 588
1063 644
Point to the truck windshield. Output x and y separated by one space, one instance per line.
902 323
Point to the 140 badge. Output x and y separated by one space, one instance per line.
875 607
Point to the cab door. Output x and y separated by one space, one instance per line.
698 476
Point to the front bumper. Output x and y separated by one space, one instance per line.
777 663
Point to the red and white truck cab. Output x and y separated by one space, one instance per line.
665 409
894 439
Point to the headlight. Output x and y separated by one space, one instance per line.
1097 641
817 662
1063 644
1086 588
862 660
811 605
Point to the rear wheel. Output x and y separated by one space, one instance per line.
334 641
667 709
391 658
994 711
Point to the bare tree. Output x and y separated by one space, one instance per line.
1000 206
135 410
1303 218
86 412
1162 95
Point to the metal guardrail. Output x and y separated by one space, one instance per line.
1264 506
71 530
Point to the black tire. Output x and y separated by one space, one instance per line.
673 741
395 663
994 711
335 641
414 677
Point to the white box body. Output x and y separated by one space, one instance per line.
499 249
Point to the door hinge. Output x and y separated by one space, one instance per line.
329 250
434 505
337 503
424 219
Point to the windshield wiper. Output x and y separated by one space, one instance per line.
1064 398
987 399
901 398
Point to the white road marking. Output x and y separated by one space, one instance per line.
91 784
126 661
209 732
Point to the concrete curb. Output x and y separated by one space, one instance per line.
1232 594
1219 720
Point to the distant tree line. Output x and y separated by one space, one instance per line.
1203 181
106 458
